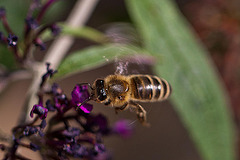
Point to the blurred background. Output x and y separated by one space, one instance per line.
216 23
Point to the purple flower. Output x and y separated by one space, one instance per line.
34 147
49 73
39 43
12 40
49 105
61 102
79 95
41 133
40 111
31 23
56 90
29 131
43 124
71 133
86 108
99 148
123 128
76 150
98 122
34 5
55 29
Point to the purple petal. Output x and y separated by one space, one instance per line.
123 128
31 23
12 40
87 108
79 94
31 113
100 121
71 132
99 148
40 111
55 29
34 147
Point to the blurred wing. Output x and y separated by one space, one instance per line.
121 66
124 33
137 64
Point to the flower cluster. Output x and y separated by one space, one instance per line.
32 32
51 131
82 140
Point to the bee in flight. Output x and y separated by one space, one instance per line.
123 92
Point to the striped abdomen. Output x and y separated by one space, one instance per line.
149 88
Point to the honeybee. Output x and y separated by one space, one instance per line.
123 92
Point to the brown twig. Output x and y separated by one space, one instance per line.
77 18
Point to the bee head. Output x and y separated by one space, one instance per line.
99 90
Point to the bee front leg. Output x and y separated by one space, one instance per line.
141 113
121 108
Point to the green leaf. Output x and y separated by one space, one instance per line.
85 32
16 13
57 11
198 95
94 57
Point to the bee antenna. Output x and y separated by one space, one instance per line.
89 85
85 101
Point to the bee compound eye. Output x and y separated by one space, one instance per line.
100 90
102 95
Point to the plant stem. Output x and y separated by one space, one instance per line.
77 18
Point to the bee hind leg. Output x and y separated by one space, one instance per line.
121 108
141 113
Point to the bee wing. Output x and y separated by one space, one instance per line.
125 33
121 67
134 64
122 33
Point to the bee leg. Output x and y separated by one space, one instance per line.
121 108
108 102
141 113
89 85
